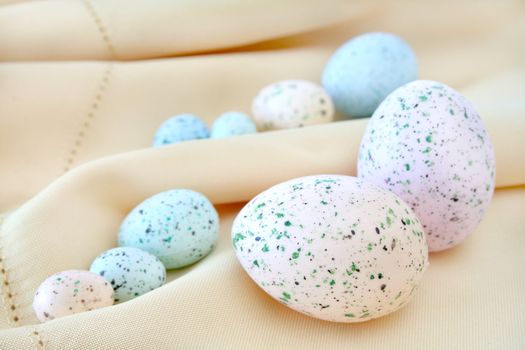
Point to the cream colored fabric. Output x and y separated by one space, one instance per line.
75 158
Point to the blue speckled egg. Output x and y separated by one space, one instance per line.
182 127
179 227
231 124
131 271
362 72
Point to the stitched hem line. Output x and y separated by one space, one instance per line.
89 118
8 296
101 28
36 338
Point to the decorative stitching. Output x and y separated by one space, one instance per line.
37 339
88 119
8 297
101 28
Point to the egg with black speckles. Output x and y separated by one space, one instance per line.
333 247
179 128
70 292
232 124
178 226
427 144
131 271
362 72
291 104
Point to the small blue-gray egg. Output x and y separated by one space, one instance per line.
232 124
362 72
178 226
131 271
179 128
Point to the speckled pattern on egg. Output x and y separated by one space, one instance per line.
131 271
232 124
179 128
291 104
427 144
179 227
333 247
362 72
70 292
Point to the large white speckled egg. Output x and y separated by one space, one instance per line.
427 144
291 104
333 247
70 292
178 226
131 271
362 72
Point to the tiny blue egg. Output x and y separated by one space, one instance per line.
182 127
131 271
232 124
362 72
178 226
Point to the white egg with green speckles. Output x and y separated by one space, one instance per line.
131 271
232 124
291 104
427 144
333 247
178 226
70 292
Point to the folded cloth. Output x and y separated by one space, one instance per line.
75 149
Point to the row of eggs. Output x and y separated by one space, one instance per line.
333 247
170 230
282 105
358 76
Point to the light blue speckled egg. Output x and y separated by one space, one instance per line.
362 72
182 127
131 271
179 227
232 124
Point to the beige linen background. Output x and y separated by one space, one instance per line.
84 85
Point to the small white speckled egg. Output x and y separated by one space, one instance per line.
232 124
427 144
179 128
333 247
179 227
70 292
131 271
362 72
291 104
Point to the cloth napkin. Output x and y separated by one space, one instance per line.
85 84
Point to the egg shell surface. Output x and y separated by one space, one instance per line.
331 246
232 124
70 292
178 226
427 144
179 128
363 71
291 104
131 271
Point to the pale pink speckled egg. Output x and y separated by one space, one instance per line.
427 144
70 292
